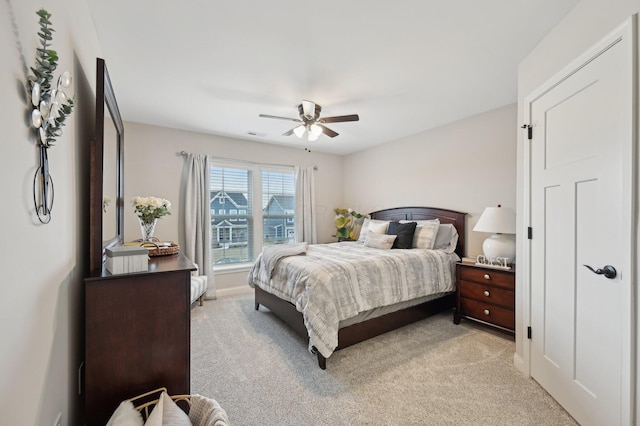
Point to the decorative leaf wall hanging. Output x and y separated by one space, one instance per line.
51 107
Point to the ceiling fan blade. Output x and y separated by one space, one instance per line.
280 118
340 118
289 133
327 131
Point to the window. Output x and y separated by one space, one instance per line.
278 204
230 233
256 200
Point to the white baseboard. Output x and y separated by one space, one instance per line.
234 291
519 363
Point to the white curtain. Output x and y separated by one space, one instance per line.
197 220
305 205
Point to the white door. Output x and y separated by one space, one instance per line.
581 206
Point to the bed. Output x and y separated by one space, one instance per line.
415 304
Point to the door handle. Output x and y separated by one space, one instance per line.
608 271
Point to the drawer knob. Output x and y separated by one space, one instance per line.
486 293
486 312
487 276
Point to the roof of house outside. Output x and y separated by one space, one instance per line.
286 203
237 198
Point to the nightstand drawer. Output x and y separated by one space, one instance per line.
489 294
489 313
487 276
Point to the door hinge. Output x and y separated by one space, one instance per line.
529 233
528 332
529 130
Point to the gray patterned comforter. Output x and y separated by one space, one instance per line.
329 283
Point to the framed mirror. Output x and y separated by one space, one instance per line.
106 224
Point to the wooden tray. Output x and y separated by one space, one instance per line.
161 249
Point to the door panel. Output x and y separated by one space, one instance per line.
554 295
568 140
582 129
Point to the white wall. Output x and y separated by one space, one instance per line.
466 166
585 25
41 266
154 166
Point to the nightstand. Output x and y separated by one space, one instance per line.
487 295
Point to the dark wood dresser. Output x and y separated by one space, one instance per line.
487 295
137 334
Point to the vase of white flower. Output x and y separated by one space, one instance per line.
149 210
147 230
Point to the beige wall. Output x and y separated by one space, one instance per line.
438 168
154 166
41 266
466 166
585 25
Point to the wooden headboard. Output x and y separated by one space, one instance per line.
425 213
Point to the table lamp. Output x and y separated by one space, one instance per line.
501 221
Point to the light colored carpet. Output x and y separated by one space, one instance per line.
429 373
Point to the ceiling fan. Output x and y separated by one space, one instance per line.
311 122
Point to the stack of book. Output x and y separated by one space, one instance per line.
124 260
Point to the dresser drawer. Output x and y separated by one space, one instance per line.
497 278
489 294
487 312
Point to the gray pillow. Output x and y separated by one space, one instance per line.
446 238
380 241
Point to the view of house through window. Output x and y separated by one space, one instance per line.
278 205
246 201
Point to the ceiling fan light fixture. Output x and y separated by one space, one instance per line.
299 131
310 121
315 130
308 109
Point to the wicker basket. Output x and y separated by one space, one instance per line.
157 248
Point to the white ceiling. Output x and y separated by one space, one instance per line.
404 66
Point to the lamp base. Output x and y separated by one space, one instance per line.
500 245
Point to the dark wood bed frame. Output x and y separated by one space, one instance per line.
360 332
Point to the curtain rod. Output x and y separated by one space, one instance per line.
183 153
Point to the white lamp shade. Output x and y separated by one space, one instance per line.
498 220
299 131
315 130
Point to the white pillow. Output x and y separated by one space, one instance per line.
155 418
167 413
377 226
425 235
364 229
126 415
446 238
380 241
